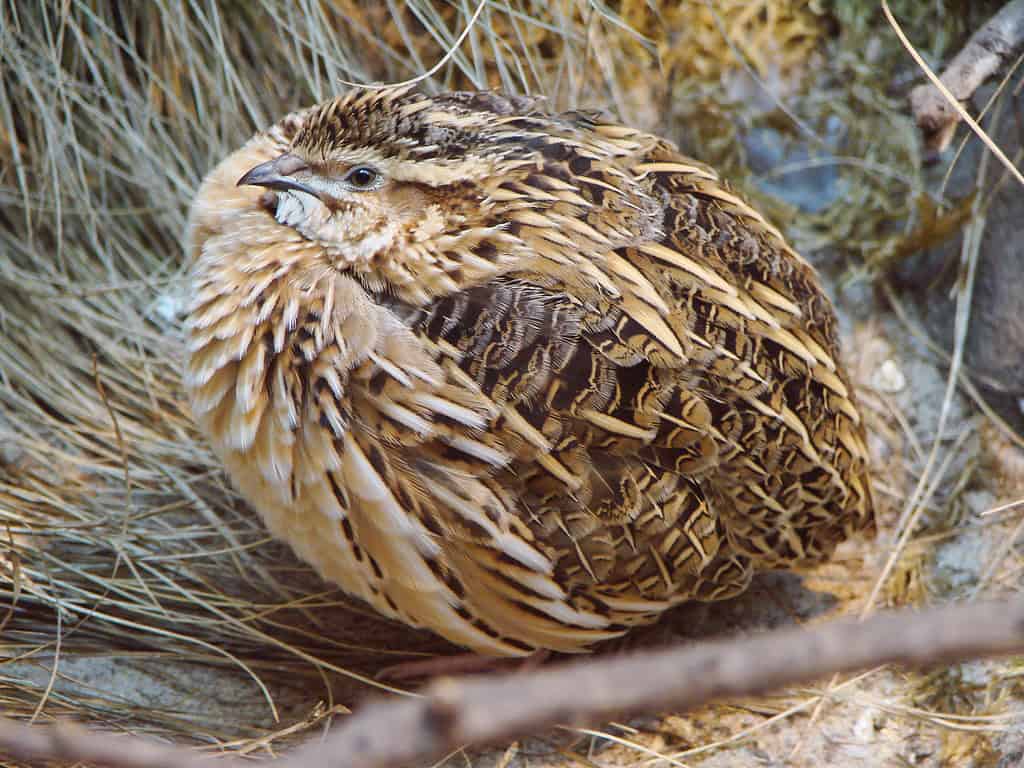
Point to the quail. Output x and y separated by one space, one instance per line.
524 379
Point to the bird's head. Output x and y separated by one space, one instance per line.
400 189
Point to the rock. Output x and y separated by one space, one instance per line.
994 350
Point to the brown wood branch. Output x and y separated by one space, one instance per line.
487 710
453 713
986 51
69 743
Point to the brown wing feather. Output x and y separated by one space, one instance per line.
793 472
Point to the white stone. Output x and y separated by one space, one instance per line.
889 378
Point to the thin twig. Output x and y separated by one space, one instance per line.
936 105
473 712
434 69
70 742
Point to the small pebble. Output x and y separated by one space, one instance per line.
889 378
867 725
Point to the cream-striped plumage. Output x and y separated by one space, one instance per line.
525 379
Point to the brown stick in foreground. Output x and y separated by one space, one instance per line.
454 713
985 52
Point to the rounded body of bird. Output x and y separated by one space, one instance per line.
524 379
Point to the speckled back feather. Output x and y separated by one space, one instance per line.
550 379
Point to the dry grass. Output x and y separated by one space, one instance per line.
138 592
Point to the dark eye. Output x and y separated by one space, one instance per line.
362 177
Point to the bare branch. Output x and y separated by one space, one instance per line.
987 50
486 710
72 743
478 711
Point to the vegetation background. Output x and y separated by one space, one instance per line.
138 593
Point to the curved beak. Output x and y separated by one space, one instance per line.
277 174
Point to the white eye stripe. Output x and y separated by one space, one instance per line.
338 188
